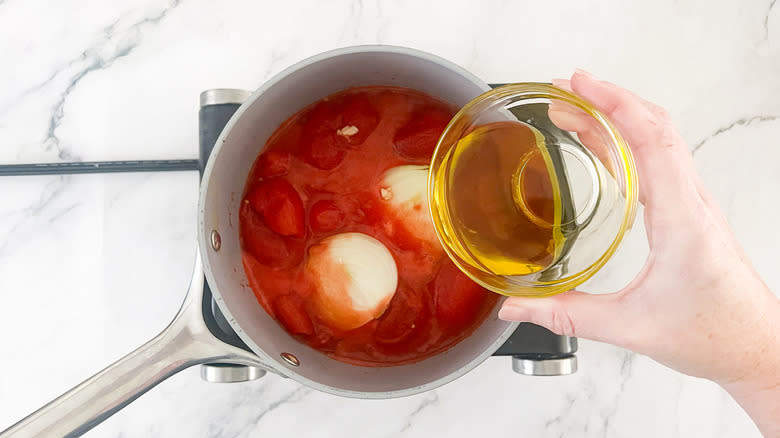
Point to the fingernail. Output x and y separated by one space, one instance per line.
582 72
556 105
513 313
560 82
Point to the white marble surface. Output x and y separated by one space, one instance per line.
92 266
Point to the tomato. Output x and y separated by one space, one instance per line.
280 205
290 312
323 150
400 318
265 245
265 281
325 116
320 145
458 300
418 138
273 163
325 215
361 114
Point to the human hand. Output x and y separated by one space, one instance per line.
698 305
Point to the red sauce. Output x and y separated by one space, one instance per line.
310 182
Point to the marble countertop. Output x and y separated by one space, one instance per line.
91 266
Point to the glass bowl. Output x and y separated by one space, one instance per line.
531 190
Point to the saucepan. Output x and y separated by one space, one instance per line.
187 340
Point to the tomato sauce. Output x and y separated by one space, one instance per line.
319 175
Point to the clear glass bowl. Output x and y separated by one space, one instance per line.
590 176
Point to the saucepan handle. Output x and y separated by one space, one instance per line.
185 342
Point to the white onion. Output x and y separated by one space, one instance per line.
355 277
405 188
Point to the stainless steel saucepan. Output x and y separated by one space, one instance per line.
187 341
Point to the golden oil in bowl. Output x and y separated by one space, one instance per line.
524 206
504 197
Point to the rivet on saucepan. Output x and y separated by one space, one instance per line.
216 240
290 359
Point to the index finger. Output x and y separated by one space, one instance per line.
663 161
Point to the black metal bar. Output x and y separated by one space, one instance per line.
98 167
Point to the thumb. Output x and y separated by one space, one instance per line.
573 313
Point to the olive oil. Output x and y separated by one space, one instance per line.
503 199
